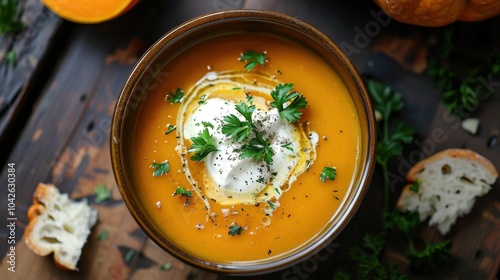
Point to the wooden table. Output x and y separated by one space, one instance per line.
57 100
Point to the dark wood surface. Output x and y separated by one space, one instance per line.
56 104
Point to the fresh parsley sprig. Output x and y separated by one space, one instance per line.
236 129
182 192
202 146
258 149
253 59
288 103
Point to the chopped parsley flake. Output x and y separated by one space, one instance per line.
235 229
175 97
170 128
328 173
253 59
160 168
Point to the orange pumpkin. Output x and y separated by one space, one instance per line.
439 12
89 11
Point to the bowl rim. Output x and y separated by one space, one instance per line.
369 141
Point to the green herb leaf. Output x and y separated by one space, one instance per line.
405 222
235 229
253 59
288 103
102 193
8 17
368 262
384 99
328 173
170 128
103 235
287 146
207 124
182 192
258 149
271 205
415 186
166 266
202 146
11 57
175 97
130 254
236 129
160 168
431 257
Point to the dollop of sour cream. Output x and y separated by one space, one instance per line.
245 178
229 178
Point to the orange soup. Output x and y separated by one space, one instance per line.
225 221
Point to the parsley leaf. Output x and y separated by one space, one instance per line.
368 261
170 128
287 146
207 124
288 103
405 222
431 257
175 97
166 266
235 229
202 145
271 205
182 192
415 186
253 59
236 129
103 235
328 173
8 17
10 56
257 148
102 193
160 168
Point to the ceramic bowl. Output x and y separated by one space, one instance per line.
135 92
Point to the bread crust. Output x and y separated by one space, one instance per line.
456 153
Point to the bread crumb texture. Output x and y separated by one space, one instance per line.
449 182
58 225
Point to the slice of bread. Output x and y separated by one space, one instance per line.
449 182
59 225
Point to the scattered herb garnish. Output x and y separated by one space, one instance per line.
415 186
460 90
170 128
236 129
253 59
166 266
288 103
328 173
257 148
390 143
10 56
182 192
287 146
202 145
102 193
271 205
130 254
175 97
235 229
8 17
160 168
207 124
202 100
103 235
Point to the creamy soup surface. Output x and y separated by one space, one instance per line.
228 207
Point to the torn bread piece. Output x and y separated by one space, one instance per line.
59 225
448 183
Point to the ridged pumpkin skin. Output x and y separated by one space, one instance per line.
89 11
434 13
